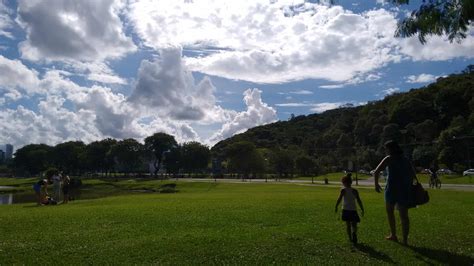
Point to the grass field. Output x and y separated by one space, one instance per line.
221 223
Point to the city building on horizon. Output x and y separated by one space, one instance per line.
8 151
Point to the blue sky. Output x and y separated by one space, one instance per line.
200 69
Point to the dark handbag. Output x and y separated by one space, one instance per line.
420 195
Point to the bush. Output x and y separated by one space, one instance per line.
75 183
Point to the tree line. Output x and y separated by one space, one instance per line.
108 156
159 155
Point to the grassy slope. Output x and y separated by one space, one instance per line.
231 224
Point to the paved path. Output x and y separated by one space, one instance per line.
362 183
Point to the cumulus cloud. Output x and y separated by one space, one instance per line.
166 87
438 48
15 75
422 78
294 104
257 113
270 41
96 71
72 30
6 22
388 91
332 86
165 98
51 124
322 107
301 92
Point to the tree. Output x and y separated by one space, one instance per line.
426 131
127 154
156 145
244 158
172 160
196 157
424 156
391 132
32 159
437 17
97 155
282 162
304 165
68 156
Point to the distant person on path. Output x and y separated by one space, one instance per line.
56 186
41 191
66 182
349 210
398 188
434 179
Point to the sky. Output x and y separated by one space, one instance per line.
200 70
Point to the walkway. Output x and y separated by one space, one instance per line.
361 184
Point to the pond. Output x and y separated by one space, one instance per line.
75 194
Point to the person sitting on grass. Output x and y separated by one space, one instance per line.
41 191
349 210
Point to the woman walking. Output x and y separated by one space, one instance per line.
398 192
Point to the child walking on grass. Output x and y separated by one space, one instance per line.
349 210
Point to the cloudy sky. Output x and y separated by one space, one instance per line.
199 69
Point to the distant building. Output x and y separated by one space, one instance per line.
2 156
8 151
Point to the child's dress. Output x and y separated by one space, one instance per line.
349 210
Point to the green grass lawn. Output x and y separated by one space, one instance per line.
220 223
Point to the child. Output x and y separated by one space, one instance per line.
349 210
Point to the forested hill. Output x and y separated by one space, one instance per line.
434 124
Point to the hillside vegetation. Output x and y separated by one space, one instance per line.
434 124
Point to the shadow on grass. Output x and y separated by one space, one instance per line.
443 256
370 251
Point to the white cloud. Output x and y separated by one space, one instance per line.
322 107
319 107
332 86
13 95
388 91
164 91
422 78
52 124
96 71
355 80
438 48
166 87
260 41
15 75
257 113
301 92
72 30
294 104
6 22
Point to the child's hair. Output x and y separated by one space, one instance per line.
346 179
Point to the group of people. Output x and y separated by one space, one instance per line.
60 182
398 194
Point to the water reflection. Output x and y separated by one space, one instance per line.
6 198
75 194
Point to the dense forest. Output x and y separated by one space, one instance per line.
433 124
